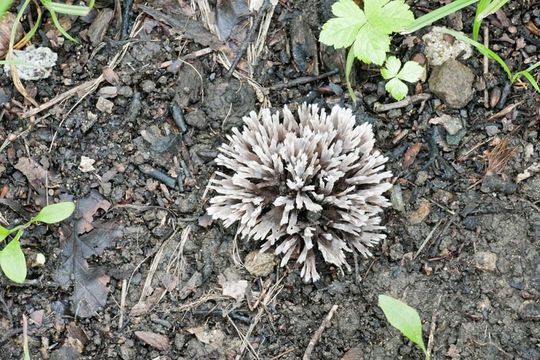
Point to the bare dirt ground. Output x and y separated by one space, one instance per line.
139 272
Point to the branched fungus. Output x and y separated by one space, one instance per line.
303 186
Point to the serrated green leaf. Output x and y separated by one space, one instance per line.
338 34
397 88
411 72
371 45
55 213
341 31
4 233
404 318
391 68
388 16
12 261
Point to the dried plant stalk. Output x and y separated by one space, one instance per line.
301 187
499 156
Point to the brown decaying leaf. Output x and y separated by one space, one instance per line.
86 208
35 173
420 214
90 283
157 341
410 155
110 75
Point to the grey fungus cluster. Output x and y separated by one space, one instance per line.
302 186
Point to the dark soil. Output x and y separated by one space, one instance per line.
463 246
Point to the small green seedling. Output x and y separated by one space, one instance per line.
367 32
405 319
12 261
410 72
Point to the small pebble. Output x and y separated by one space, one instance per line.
492 130
485 261
104 105
420 214
148 86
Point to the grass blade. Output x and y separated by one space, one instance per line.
527 75
4 6
437 14
482 49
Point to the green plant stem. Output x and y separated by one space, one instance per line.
437 14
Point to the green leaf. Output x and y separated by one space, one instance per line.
411 72
4 233
341 31
55 213
404 318
12 260
371 45
397 88
391 69
388 16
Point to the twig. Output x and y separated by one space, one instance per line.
315 339
122 303
178 116
302 80
486 65
25 336
247 39
158 175
431 336
409 100
430 235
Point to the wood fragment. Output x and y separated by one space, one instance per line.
409 100
431 338
315 339
303 80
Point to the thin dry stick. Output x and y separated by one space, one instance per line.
248 39
430 235
486 65
315 339
244 338
122 303
409 100
431 337
303 80
25 335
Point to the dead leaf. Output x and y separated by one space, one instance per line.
230 13
110 76
193 283
35 173
528 172
86 208
87 164
410 155
235 289
89 283
189 28
213 338
420 214
157 341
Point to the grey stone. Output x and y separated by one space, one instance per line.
197 119
452 82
